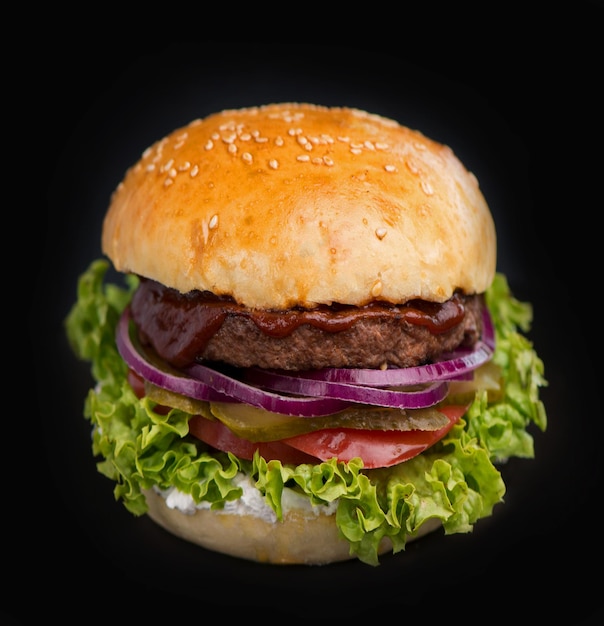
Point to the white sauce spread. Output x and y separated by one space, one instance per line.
250 503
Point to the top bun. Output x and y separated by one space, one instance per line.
297 205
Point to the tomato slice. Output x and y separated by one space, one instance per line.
376 448
137 383
217 435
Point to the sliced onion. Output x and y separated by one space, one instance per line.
458 366
305 406
362 394
204 383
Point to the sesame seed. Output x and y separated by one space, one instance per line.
411 166
247 157
390 168
279 141
194 171
232 148
215 136
245 136
172 173
168 165
303 157
209 144
328 161
273 163
261 139
376 290
184 166
344 139
178 145
380 233
150 167
317 160
168 182
355 150
229 138
369 145
427 188
382 146
213 221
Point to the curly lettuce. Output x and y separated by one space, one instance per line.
455 482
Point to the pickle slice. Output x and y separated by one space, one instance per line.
255 424
487 377
175 400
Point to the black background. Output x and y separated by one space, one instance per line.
505 116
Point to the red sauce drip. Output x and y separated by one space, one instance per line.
437 317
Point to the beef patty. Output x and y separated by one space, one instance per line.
199 326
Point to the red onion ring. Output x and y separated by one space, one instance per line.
360 394
300 406
458 366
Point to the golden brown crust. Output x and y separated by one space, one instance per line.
302 538
296 204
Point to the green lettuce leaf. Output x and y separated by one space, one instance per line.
455 482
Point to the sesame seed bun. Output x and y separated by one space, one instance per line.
297 205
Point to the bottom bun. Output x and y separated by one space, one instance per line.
302 538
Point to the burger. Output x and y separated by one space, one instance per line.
301 347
